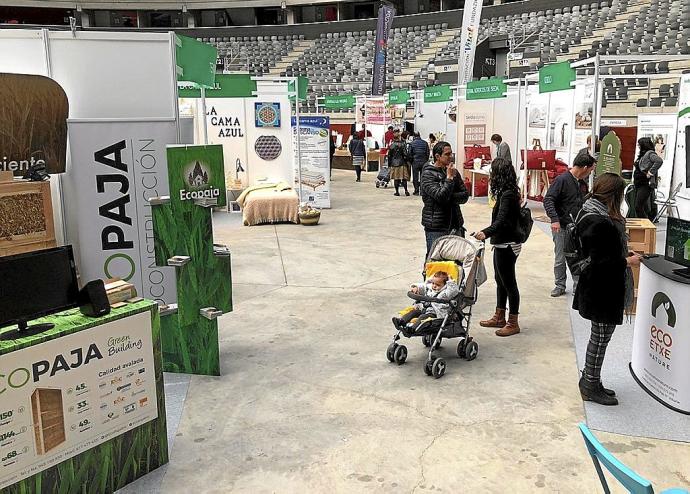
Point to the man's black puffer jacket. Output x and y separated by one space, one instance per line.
442 199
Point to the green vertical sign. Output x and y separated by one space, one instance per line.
556 77
610 155
339 101
196 61
183 234
489 89
400 97
437 94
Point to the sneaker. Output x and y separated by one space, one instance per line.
396 193
407 193
557 292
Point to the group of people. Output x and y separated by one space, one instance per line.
605 286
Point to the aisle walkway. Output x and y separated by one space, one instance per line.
308 403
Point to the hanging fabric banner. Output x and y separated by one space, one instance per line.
489 89
383 29
438 94
468 40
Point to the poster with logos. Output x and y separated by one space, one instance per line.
226 125
475 128
116 167
34 113
64 397
661 338
661 129
314 160
376 113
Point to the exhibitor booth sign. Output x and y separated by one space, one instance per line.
662 336
116 167
68 395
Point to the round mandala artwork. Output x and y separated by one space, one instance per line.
267 115
268 147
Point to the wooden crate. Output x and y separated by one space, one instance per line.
641 239
48 419
26 217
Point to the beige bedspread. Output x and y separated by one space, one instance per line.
270 205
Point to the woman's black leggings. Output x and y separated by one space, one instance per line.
506 283
397 184
358 171
642 206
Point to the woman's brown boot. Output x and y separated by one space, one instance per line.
497 321
512 327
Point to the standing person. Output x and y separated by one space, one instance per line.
359 152
605 288
645 177
562 202
419 150
442 193
502 148
398 162
332 153
505 237
432 143
388 136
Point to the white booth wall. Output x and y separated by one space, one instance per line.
434 119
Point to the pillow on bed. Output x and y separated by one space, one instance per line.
449 267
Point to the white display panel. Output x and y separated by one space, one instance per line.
114 75
98 384
281 168
22 52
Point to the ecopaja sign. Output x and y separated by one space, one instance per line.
116 167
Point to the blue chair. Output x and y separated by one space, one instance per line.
629 479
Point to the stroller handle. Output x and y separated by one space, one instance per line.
422 298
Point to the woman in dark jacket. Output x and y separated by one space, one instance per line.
505 237
359 152
605 288
645 177
399 163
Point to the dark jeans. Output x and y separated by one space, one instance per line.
506 283
559 271
416 174
643 208
431 237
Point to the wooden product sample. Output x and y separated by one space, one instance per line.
26 217
641 239
48 419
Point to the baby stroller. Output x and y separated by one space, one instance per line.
463 260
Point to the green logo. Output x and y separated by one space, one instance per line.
661 299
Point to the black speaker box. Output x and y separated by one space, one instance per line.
93 301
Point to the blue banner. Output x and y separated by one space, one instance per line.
383 29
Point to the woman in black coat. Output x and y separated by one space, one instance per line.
605 288
505 237
645 174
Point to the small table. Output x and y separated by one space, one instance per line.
474 173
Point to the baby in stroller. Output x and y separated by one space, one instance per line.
438 286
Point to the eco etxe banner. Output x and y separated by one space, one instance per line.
115 168
383 29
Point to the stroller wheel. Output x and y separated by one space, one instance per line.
471 350
400 354
462 345
438 368
390 352
378 185
427 367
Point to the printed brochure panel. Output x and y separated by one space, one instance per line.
68 395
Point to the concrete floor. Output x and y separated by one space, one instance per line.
308 403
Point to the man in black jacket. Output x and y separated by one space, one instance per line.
442 193
419 151
563 200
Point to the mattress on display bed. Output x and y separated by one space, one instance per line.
269 203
